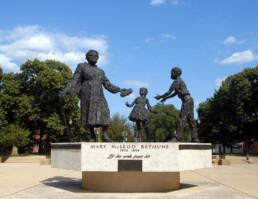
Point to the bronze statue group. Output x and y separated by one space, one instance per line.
88 81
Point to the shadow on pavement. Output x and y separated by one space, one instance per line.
65 183
74 185
187 186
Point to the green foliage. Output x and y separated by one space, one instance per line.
43 81
3 121
209 115
118 125
73 116
30 100
14 135
55 127
162 125
231 115
10 97
1 73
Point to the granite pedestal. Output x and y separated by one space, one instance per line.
126 167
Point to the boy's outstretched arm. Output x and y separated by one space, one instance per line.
165 94
170 96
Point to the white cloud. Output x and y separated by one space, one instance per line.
30 42
136 83
6 63
232 40
239 58
149 39
157 2
20 32
219 81
178 2
168 36
175 2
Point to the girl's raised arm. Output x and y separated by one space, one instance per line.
130 105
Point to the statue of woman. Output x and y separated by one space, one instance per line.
140 114
88 79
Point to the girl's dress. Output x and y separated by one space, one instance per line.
139 112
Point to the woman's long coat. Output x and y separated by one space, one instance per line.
94 107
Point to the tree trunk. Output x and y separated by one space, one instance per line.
41 147
224 149
14 150
40 144
26 150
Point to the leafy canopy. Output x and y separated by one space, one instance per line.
231 115
13 135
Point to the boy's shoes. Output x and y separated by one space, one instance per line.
175 139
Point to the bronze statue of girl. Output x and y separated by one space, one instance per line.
140 114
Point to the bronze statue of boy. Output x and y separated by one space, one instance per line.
186 113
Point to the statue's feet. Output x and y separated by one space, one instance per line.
148 138
196 140
106 138
93 137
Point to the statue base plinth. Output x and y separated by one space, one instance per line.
131 181
131 167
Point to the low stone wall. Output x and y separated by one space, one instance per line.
147 157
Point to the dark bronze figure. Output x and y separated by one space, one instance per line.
187 106
140 114
88 80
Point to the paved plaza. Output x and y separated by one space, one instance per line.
31 180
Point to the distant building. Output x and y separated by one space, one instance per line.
237 148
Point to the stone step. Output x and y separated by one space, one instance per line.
25 159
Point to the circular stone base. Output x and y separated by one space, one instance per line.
131 181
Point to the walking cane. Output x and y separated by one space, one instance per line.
65 121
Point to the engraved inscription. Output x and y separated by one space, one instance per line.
129 156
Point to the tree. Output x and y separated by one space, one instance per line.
43 81
162 126
30 100
231 115
3 121
211 124
119 125
1 72
13 135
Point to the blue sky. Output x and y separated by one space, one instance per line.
139 41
